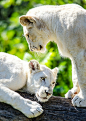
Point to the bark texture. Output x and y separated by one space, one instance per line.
56 109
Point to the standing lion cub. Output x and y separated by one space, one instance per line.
66 25
35 78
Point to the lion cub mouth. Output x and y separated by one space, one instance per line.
41 97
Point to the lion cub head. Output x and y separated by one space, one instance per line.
41 80
36 30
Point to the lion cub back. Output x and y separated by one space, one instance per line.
12 73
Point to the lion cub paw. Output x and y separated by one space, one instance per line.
36 110
32 109
79 101
71 93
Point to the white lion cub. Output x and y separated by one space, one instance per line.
66 25
35 78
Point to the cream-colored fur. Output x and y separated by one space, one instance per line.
66 25
31 76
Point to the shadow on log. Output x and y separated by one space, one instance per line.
56 109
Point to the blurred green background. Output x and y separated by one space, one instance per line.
12 40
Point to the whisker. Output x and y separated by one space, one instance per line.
76 109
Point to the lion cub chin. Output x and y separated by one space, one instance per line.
35 78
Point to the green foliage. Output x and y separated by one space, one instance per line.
13 42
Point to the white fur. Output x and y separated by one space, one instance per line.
66 25
32 77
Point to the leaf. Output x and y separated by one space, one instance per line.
27 57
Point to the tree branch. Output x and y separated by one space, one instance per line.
56 109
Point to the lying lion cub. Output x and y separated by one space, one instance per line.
35 78
66 25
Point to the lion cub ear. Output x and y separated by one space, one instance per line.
34 66
55 71
30 21
26 20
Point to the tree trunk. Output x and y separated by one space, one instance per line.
56 109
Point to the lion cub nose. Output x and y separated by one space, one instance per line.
47 93
40 47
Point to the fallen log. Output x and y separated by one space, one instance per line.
56 109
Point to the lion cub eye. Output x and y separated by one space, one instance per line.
43 78
27 35
53 82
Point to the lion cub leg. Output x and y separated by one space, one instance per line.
80 99
27 107
75 90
